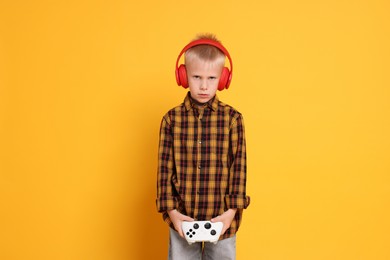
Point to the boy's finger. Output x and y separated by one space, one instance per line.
216 219
187 218
181 232
223 231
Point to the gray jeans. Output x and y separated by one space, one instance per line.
179 249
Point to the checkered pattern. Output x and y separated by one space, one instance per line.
202 162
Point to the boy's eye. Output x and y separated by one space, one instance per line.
196 77
212 78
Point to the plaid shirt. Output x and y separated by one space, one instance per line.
202 162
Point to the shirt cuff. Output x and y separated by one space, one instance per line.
167 203
237 201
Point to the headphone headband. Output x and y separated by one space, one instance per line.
206 42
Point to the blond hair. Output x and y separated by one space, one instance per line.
205 52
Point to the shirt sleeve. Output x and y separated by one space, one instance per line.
237 198
166 199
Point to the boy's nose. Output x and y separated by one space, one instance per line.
203 85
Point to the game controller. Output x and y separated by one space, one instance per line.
202 231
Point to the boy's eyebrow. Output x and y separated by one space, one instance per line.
209 76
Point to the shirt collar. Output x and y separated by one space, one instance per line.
189 104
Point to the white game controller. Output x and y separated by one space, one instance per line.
202 231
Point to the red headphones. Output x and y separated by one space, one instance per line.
226 75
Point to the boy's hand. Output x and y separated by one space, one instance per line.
177 218
226 218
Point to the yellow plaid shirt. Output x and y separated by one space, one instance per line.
202 162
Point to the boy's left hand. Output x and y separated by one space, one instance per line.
226 218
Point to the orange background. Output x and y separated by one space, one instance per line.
84 85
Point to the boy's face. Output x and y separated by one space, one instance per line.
203 79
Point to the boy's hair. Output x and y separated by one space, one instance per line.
205 52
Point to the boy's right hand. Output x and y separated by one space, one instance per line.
177 218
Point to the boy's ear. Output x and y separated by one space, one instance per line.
181 76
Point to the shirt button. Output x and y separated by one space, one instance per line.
200 142
199 166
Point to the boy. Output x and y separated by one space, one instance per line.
202 155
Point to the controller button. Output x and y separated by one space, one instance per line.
213 232
207 226
196 226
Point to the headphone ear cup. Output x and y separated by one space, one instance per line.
181 76
224 79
